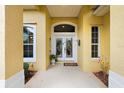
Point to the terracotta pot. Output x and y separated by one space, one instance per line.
53 61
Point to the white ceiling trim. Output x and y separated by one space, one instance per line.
64 10
101 10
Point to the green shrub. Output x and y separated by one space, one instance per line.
26 67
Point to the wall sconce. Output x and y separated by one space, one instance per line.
79 43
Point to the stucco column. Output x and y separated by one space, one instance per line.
11 47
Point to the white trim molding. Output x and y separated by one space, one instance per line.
2 83
115 80
16 81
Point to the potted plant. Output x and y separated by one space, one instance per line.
53 59
26 67
104 64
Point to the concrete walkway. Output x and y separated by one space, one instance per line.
60 76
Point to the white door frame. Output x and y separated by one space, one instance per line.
53 34
64 36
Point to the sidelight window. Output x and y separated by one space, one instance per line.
29 43
95 42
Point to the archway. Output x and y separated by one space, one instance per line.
64 41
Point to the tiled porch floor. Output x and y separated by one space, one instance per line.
60 76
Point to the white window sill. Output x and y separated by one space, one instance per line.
95 59
29 60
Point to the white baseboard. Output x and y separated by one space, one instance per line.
2 83
16 81
115 80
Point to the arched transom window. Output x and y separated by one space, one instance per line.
64 28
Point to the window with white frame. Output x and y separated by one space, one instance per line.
95 41
29 42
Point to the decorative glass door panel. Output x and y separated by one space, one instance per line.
64 47
69 47
59 47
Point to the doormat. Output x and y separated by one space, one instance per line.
70 64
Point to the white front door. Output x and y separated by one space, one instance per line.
64 47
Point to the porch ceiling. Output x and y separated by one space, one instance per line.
64 10
69 10
30 7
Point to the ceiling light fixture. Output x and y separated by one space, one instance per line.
63 26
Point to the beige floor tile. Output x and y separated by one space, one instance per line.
59 76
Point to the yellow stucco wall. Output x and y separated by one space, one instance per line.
89 64
80 37
41 18
13 40
48 38
2 43
86 20
106 37
61 19
117 39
